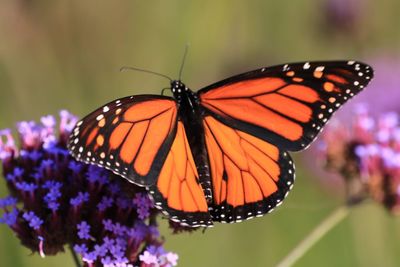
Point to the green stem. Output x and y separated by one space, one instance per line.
74 256
324 227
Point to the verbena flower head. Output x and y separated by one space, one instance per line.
56 201
342 16
368 151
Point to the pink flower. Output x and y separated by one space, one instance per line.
172 258
367 156
148 259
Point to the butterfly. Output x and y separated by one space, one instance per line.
219 154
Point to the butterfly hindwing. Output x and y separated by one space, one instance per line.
178 192
130 136
249 176
287 105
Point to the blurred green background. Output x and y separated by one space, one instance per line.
66 54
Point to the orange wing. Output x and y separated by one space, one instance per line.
178 192
286 105
130 136
249 176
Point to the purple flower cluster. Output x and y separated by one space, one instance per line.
56 201
368 152
342 16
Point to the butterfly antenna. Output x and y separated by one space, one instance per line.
125 68
163 90
183 60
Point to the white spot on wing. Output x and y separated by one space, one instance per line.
101 116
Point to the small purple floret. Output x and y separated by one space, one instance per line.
81 198
26 187
143 205
105 203
84 230
34 221
10 218
81 249
75 166
7 201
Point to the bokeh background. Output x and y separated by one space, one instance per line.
66 55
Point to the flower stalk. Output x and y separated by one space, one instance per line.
317 234
74 256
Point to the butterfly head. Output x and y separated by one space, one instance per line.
178 88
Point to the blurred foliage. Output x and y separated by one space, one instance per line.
66 54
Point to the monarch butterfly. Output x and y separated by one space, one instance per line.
219 154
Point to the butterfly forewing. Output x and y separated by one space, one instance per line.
286 105
130 136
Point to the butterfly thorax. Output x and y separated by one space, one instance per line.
187 101
190 114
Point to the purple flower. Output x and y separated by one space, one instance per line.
79 199
34 221
51 198
156 250
7 201
148 258
35 155
156 256
108 225
26 187
51 184
81 249
143 205
48 121
101 250
105 203
10 177
124 203
342 15
108 242
18 172
53 205
119 230
107 220
114 188
76 167
367 155
46 164
97 174
140 230
84 230
67 122
107 261
10 218
172 258
89 257
6 140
